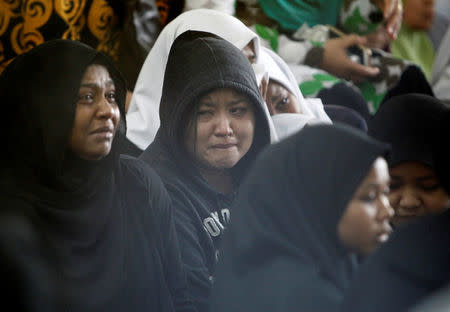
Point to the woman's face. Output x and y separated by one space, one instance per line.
224 131
365 222
97 115
415 192
279 100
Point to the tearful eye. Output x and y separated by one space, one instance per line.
87 97
282 104
431 187
111 96
238 110
368 198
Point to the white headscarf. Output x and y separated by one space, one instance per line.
288 124
143 114
279 71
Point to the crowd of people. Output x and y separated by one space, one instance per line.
270 155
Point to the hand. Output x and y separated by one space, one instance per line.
392 12
419 14
336 61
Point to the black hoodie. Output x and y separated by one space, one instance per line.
282 251
198 63
107 223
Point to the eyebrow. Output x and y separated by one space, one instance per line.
280 95
211 104
96 85
420 179
425 178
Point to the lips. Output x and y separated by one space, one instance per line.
103 130
103 133
224 145
383 234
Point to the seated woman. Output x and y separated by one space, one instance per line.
413 265
309 204
106 220
406 122
212 127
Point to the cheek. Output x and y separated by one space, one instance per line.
116 116
436 202
394 198
294 106
245 129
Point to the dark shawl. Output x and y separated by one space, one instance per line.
282 252
107 223
408 123
412 265
198 63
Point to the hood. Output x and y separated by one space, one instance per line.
409 123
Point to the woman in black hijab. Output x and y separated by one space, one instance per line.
415 262
212 127
106 220
308 206
408 123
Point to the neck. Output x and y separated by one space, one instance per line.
219 179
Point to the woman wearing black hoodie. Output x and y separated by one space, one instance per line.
308 206
212 127
105 220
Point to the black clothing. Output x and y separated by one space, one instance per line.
281 251
412 80
410 266
408 123
107 223
342 94
346 116
441 152
199 63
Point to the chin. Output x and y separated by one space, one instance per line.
225 164
98 154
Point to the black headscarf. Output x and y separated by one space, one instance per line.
408 123
283 240
198 63
69 200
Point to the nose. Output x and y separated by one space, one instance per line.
385 210
105 109
409 201
223 126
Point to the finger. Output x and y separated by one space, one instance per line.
351 40
393 24
361 72
389 8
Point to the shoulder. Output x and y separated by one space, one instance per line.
136 174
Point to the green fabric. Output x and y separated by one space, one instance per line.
358 24
318 82
269 34
291 14
415 46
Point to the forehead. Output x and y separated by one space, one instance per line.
96 73
276 87
378 172
222 95
411 169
